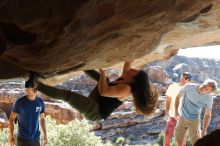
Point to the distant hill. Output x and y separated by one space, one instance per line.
201 69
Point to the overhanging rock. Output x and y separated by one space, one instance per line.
61 37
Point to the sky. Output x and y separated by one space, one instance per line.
210 52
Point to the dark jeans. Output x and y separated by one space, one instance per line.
25 142
86 105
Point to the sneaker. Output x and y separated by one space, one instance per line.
32 82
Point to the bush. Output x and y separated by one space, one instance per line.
218 92
4 136
75 133
161 138
121 141
132 138
156 144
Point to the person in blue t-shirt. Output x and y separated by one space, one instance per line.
195 97
29 110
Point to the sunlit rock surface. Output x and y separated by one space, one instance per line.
62 37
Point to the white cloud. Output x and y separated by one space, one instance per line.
211 52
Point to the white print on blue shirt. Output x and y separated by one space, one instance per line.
38 109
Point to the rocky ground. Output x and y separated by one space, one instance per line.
135 129
124 122
138 129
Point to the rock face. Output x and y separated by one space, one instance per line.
137 129
56 37
159 78
63 113
60 111
158 75
201 69
124 122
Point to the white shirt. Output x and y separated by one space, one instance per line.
172 91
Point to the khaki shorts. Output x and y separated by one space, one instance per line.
193 127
